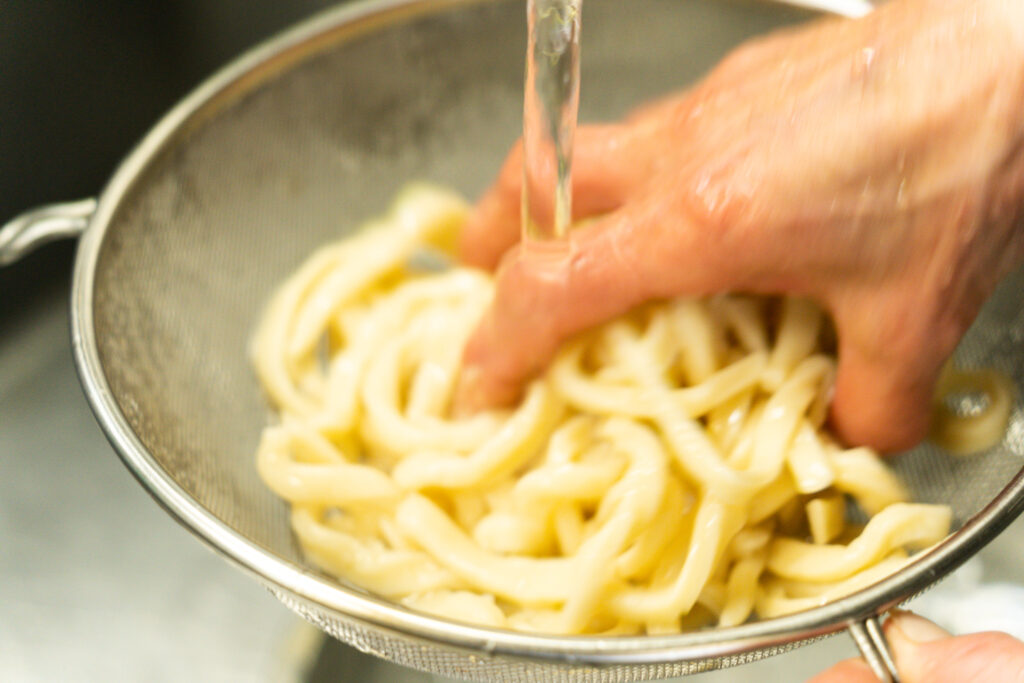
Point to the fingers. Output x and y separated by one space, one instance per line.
892 344
882 401
493 226
924 653
536 306
605 165
847 671
616 263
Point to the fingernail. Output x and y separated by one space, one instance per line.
915 629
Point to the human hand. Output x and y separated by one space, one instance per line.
924 653
874 165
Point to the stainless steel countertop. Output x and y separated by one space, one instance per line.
98 584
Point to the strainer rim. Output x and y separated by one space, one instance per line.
349 604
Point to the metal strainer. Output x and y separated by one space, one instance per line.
302 140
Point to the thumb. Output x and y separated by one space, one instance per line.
924 653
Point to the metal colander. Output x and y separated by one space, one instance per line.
302 140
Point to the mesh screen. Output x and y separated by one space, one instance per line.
303 151
265 174
475 666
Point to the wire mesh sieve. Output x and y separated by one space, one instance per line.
301 141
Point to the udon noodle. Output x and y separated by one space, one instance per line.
669 471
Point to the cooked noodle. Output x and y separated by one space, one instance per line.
978 430
669 471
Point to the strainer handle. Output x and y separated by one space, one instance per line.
871 640
38 226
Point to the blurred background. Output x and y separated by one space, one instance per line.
81 82
96 582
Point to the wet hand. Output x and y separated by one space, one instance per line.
875 165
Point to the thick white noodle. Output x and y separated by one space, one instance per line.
669 471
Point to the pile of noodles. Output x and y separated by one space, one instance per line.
669 471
